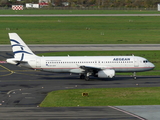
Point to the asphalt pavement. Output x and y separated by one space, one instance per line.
22 90
86 47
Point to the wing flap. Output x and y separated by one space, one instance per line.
90 68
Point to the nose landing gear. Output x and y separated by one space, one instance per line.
134 76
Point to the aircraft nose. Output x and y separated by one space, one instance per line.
152 66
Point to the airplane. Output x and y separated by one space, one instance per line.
85 66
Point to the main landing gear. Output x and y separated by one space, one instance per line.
82 76
85 76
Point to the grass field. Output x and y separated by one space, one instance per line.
52 11
82 30
103 97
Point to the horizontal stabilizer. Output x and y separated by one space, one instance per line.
15 61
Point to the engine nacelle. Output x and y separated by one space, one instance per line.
106 73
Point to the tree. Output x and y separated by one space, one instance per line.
3 3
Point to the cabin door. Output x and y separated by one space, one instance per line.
136 63
38 63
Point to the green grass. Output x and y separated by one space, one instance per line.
152 56
52 11
103 97
82 30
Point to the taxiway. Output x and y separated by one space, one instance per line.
86 47
22 90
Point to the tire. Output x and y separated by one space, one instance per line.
82 77
87 78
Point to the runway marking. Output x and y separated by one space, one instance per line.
3 62
9 92
18 72
11 72
48 75
26 93
37 75
127 112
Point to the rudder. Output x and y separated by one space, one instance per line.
20 49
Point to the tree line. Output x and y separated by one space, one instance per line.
115 3
90 3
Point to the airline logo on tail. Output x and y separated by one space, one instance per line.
20 49
21 46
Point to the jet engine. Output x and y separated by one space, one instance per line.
106 73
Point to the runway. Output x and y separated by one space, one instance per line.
22 90
86 47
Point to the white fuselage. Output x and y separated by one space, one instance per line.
98 66
72 64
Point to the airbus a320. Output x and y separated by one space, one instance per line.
85 66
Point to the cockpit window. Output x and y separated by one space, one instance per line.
145 61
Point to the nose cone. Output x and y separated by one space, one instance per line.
152 66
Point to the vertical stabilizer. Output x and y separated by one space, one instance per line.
20 49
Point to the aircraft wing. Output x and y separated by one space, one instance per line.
90 68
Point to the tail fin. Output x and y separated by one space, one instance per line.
20 49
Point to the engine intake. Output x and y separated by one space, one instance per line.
106 73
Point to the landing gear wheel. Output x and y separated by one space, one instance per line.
87 78
134 76
82 76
